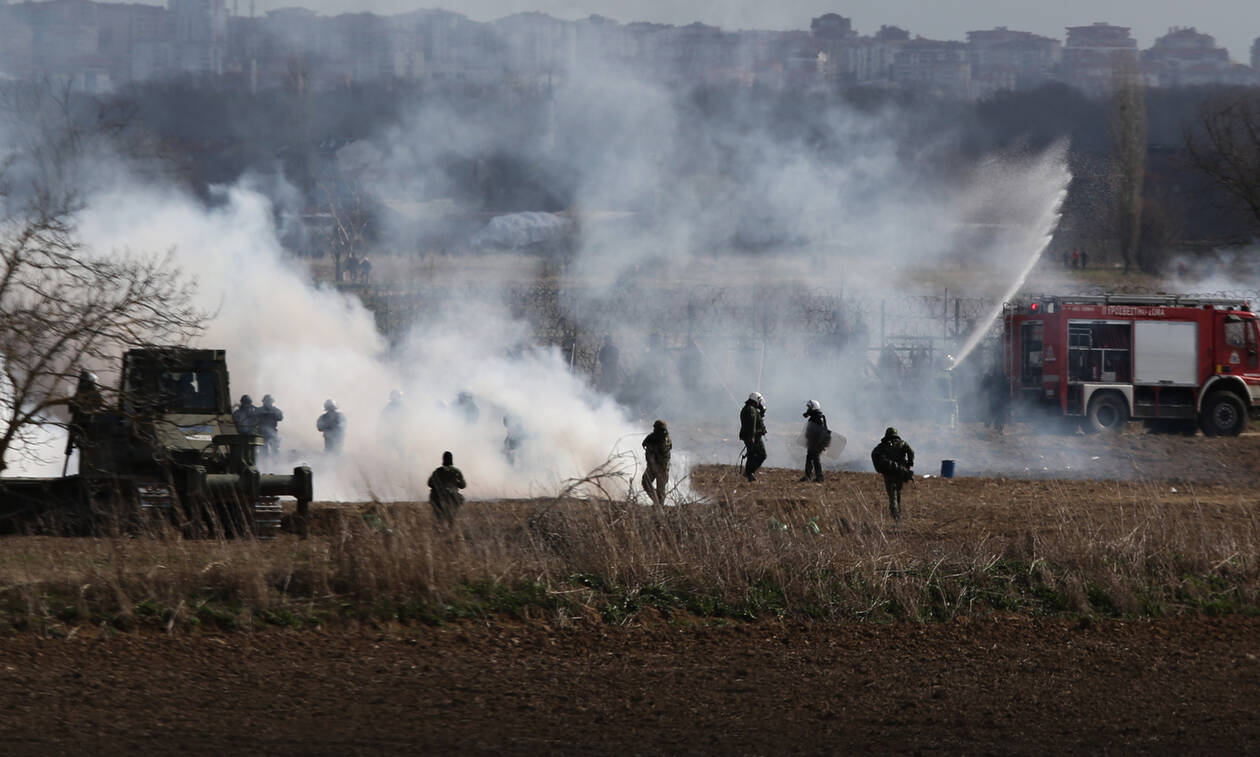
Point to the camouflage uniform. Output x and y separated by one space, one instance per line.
894 459
752 430
656 449
444 485
817 439
245 416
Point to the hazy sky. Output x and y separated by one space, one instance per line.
1234 23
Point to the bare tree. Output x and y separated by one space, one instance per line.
1127 126
350 219
1224 143
64 307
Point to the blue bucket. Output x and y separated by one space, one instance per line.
947 469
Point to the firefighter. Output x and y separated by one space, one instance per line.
817 439
444 485
332 424
752 431
894 460
245 416
656 450
269 417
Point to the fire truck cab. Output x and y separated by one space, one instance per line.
1175 362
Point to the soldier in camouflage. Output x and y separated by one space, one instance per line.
444 485
656 449
245 416
894 459
269 417
332 424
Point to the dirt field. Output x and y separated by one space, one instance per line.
988 683
1006 686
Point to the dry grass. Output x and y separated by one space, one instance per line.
782 549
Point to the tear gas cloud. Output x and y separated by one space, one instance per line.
746 210
747 218
303 344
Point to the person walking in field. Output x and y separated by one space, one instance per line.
894 459
752 431
656 450
444 485
817 439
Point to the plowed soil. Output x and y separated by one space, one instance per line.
1005 686
999 685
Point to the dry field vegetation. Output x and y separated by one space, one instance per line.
774 549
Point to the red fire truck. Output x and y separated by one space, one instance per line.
1174 362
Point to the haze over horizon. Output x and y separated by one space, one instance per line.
1234 23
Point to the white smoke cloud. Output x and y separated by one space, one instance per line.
303 344
833 201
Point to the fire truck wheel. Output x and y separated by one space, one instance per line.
1223 415
1107 412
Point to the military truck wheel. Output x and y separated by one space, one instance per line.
1223 415
1107 412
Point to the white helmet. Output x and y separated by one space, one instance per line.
330 405
812 405
755 397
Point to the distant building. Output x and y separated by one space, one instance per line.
892 34
937 67
1092 54
1005 59
831 27
539 51
200 35
1185 57
98 46
58 40
17 45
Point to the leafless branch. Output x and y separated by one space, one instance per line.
1224 144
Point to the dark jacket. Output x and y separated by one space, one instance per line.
268 417
331 422
752 423
657 447
817 435
894 458
444 485
246 419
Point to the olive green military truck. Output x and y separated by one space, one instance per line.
167 451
